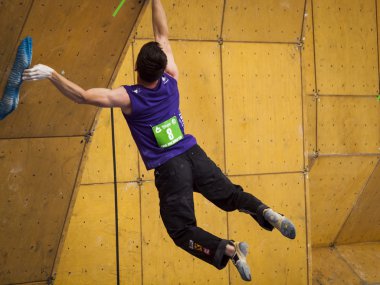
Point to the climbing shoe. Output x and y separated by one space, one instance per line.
240 261
283 224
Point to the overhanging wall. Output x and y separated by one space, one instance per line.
42 143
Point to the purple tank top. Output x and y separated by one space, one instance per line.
151 107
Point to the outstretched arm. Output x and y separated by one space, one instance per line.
101 97
161 35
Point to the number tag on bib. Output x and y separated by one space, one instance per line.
168 133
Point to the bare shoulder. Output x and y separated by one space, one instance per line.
125 101
120 91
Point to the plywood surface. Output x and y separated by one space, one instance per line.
262 108
308 63
364 259
126 150
335 185
129 205
348 125
99 163
310 127
346 47
85 42
363 224
330 268
264 21
195 20
12 18
37 181
89 253
273 258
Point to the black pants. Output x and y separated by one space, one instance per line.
194 171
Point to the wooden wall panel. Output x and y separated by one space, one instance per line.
308 83
335 185
195 20
37 181
348 125
85 42
364 259
273 258
89 253
363 224
310 127
126 150
330 268
130 234
378 36
36 283
98 167
346 47
263 20
308 63
163 262
263 110
200 85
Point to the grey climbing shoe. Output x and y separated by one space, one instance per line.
283 224
240 261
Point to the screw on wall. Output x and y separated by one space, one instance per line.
88 136
50 280
316 96
299 45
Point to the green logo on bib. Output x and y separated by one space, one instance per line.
168 133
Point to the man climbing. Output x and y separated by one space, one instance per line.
151 109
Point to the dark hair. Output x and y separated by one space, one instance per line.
151 62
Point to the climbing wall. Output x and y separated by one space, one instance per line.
342 115
252 128
43 142
280 94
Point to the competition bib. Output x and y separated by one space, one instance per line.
168 133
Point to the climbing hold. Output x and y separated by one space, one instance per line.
23 60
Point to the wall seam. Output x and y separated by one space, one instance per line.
315 76
116 198
8 69
349 265
221 42
216 40
358 199
305 188
303 23
139 179
70 209
378 44
44 137
347 154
